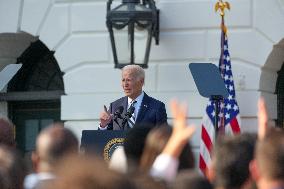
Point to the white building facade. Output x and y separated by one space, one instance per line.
190 32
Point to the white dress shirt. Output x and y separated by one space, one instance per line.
31 181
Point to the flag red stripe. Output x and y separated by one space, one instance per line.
235 125
206 139
202 165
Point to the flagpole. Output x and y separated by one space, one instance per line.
229 109
221 6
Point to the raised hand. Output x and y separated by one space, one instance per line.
181 131
262 118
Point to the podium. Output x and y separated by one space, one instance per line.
102 143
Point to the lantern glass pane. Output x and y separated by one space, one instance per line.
141 8
140 45
123 45
132 7
122 8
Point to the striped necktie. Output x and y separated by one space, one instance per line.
131 120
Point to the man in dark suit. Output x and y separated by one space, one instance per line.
135 107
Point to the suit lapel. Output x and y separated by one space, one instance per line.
125 104
143 108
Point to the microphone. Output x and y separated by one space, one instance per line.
130 112
128 115
118 112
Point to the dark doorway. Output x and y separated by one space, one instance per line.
33 95
30 118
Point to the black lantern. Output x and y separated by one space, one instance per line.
131 26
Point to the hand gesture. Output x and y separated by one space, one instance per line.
105 118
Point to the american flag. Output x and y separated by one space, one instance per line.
228 118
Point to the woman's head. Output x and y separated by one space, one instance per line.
155 142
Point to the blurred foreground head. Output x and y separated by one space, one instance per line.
191 179
134 144
12 169
155 143
52 144
231 158
269 156
7 134
84 172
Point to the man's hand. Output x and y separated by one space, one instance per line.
105 118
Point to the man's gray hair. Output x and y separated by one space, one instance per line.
138 71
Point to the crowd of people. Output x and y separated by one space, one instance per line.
155 157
